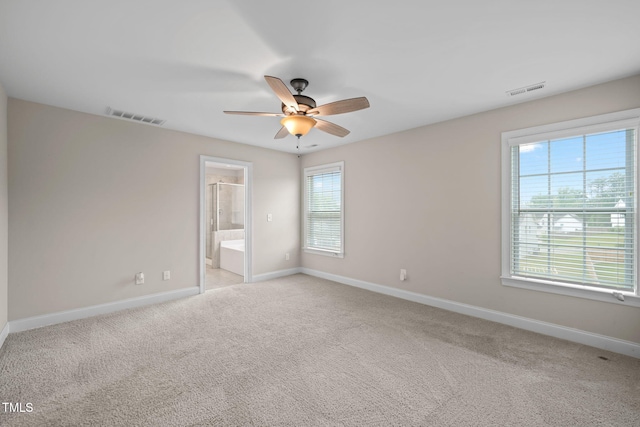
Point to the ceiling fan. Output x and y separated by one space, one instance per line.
300 112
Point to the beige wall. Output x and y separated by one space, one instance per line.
407 199
95 200
4 240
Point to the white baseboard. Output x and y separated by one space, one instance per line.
4 333
275 274
615 345
81 313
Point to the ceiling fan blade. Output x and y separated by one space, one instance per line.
282 92
254 113
281 133
331 128
339 107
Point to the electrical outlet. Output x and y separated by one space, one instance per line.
403 274
139 278
286 256
166 275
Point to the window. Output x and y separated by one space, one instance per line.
569 198
323 209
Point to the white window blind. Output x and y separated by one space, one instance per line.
572 207
323 210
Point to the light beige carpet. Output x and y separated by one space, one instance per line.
301 351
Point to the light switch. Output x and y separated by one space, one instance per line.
269 217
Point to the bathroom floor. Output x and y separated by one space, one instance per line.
218 278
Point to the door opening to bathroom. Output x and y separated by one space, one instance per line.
224 225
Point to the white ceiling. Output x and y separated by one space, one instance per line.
418 62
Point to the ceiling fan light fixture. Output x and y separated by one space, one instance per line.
299 109
298 125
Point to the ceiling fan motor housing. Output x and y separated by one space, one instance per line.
305 104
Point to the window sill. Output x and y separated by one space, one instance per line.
324 252
579 292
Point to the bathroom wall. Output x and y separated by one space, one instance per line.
216 175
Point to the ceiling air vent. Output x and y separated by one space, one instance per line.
136 117
526 89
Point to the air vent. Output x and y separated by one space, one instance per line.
526 89
136 117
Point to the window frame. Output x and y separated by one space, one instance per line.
317 170
600 123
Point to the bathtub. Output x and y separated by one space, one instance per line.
232 256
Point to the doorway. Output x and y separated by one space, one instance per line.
225 222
